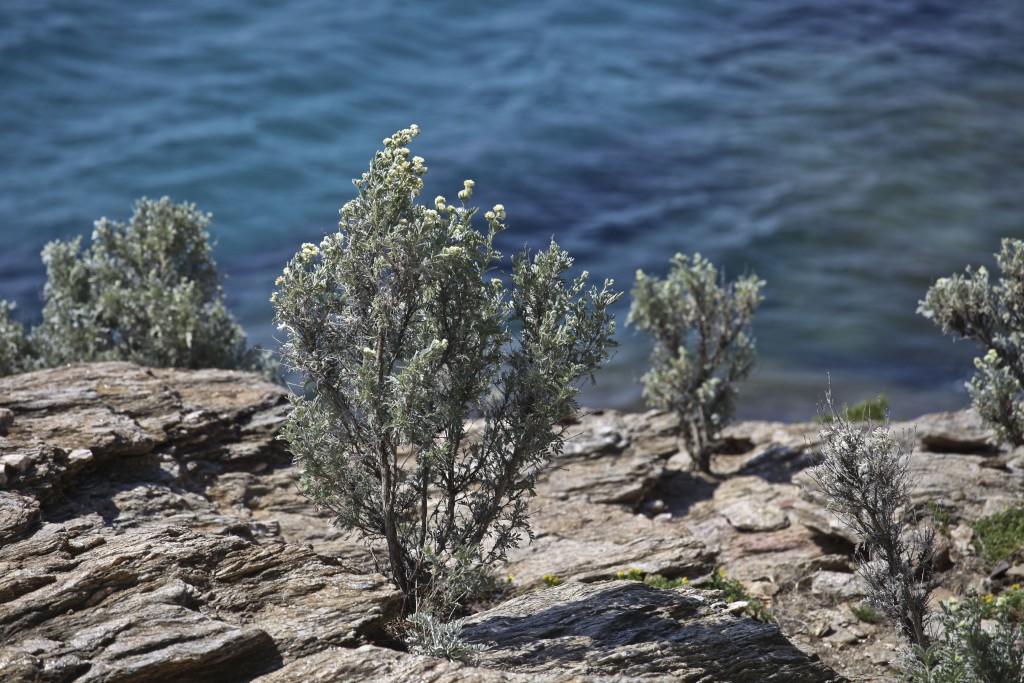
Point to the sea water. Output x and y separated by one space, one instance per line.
847 152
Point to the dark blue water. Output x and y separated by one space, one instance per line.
847 152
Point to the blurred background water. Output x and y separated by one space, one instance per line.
848 152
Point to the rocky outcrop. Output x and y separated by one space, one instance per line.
82 601
121 559
151 529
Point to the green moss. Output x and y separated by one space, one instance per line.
1000 536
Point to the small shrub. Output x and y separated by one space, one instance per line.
970 650
1012 601
999 536
434 638
735 591
147 292
969 306
864 477
401 328
866 613
662 583
868 410
632 574
701 346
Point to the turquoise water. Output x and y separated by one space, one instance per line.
848 152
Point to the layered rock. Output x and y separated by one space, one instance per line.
629 630
151 529
116 561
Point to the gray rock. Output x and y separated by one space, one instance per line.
159 508
370 664
164 602
609 457
749 515
626 628
117 563
959 432
18 514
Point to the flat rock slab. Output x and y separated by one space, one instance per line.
610 457
579 541
67 419
370 664
629 629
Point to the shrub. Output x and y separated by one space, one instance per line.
147 292
15 354
701 346
1000 536
864 476
435 638
969 306
866 613
402 328
970 650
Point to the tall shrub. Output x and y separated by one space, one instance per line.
148 292
864 477
702 348
402 326
970 306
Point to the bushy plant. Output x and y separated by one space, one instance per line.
702 348
148 292
15 353
436 638
863 475
981 642
970 306
402 327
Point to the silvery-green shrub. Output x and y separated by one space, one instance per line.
981 641
147 292
970 306
403 325
15 354
864 478
435 638
702 348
